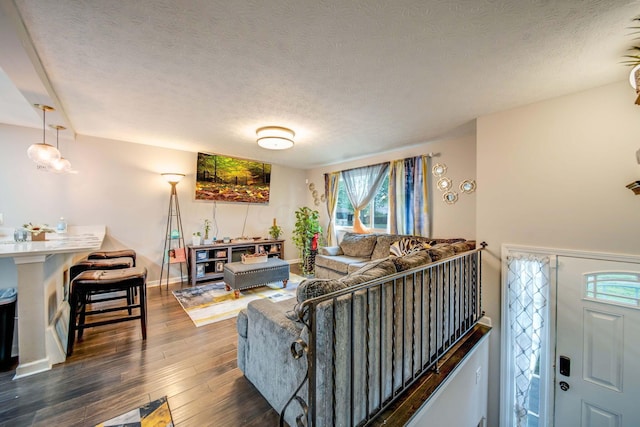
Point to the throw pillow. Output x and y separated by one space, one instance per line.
312 288
414 260
408 245
358 245
441 251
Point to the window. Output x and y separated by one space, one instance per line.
614 287
379 205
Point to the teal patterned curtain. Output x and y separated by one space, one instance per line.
409 197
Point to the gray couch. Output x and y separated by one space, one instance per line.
356 250
266 331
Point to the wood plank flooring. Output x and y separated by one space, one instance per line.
113 370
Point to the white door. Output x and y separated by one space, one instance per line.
598 335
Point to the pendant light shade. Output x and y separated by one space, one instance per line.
275 137
42 153
60 165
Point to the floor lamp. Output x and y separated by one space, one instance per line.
174 249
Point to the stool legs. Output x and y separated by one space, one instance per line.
132 281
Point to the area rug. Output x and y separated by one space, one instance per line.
211 303
153 414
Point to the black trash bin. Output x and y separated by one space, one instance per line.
7 315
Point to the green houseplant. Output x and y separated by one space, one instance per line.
306 227
275 230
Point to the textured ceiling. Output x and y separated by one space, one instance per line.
349 77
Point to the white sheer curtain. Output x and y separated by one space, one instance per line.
528 318
361 185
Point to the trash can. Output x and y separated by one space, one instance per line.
7 315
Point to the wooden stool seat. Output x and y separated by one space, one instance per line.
121 253
90 282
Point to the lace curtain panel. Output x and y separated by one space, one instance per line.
361 185
528 311
408 197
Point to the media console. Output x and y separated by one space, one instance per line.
206 262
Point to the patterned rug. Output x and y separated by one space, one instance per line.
153 414
211 303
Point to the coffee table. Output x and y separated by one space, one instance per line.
239 276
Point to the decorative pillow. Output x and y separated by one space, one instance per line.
312 288
330 250
414 260
408 245
358 245
441 251
371 271
463 246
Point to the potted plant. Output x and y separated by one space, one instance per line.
307 227
275 230
195 238
207 227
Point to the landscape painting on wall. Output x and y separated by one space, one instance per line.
229 179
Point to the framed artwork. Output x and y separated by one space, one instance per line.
220 266
229 179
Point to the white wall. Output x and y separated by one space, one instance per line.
457 220
462 400
119 185
553 174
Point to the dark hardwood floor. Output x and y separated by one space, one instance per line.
113 370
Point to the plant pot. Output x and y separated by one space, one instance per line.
195 240
40 237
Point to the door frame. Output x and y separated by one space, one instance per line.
505 386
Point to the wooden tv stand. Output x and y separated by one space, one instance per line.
206 262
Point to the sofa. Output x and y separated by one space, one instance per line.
358 320
356 250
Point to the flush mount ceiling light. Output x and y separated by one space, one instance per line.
60 165
275 137
42 153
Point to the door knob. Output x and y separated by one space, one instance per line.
564 386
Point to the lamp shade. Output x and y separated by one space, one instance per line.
275 137
173 178
60 165
43 154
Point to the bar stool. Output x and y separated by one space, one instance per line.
102 264
121 253
90 282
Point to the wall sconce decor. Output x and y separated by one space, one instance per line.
317 198
439 169
468 186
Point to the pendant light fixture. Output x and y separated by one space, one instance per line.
60 165
42 153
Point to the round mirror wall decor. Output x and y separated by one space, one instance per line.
468 186
439 169
444 184
450 197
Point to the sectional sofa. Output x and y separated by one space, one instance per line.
357 341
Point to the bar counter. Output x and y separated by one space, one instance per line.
42 307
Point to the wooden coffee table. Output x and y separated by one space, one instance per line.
239 276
